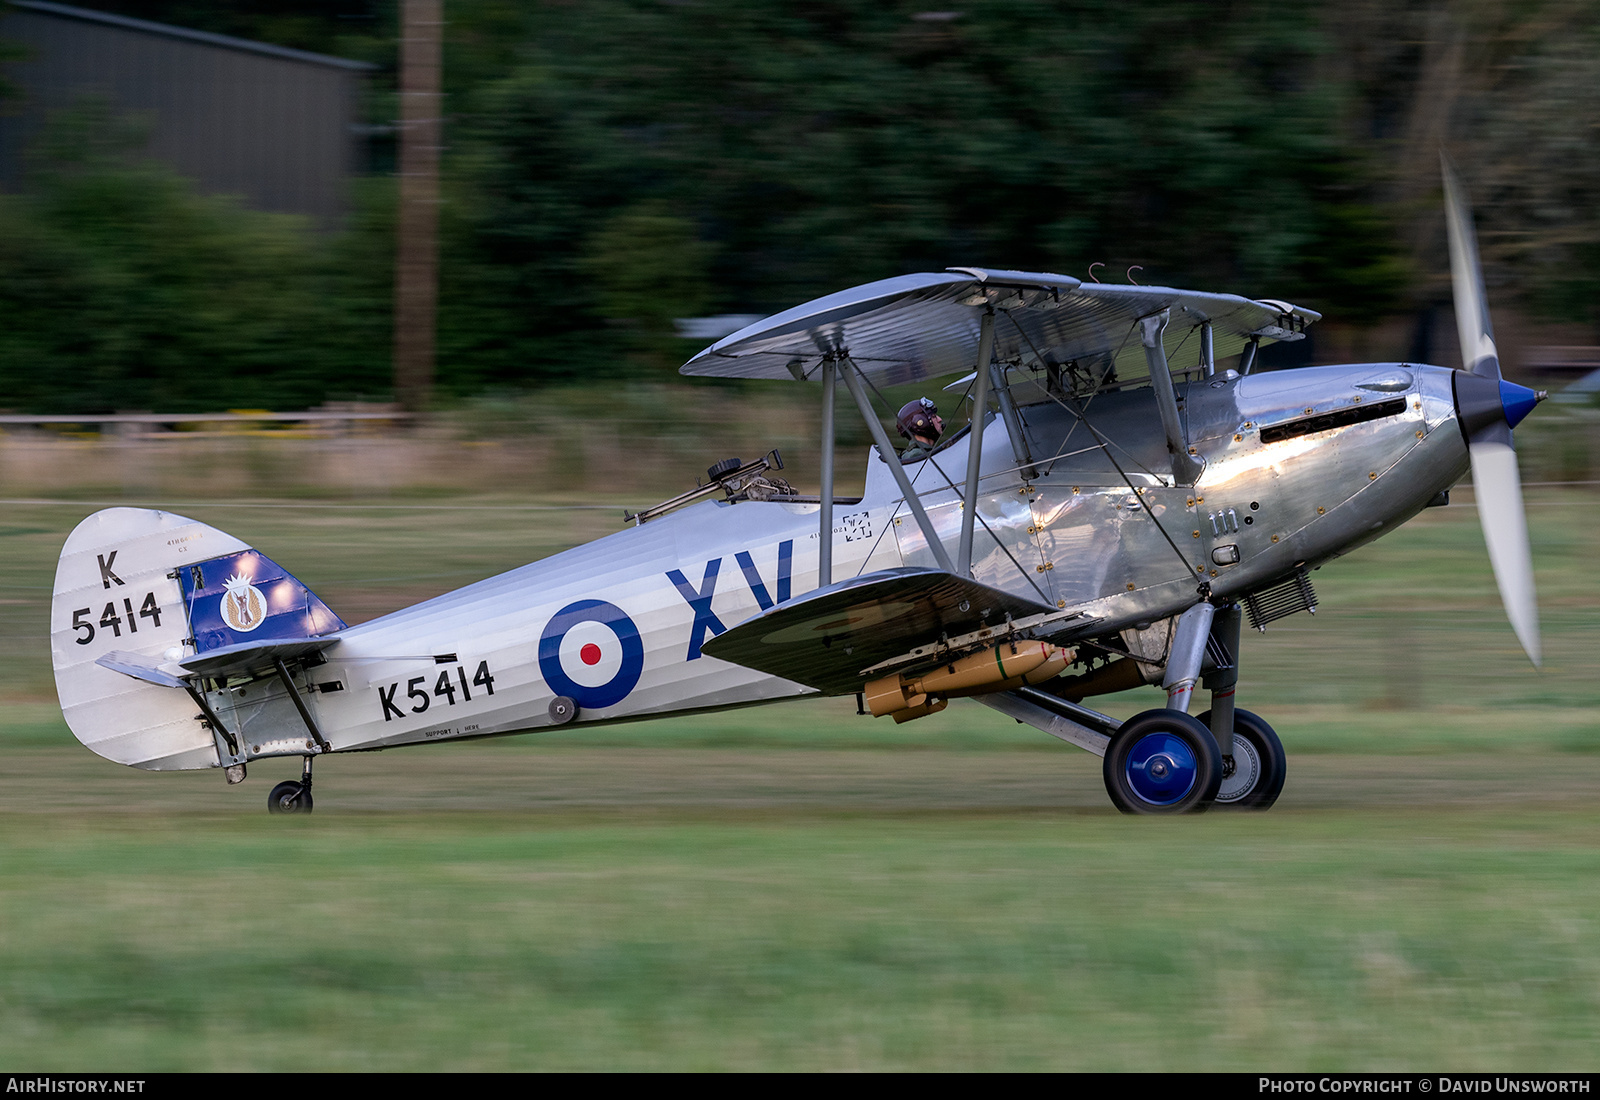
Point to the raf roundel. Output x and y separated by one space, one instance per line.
591 651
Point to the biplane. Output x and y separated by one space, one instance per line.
1127 491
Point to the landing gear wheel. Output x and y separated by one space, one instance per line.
1162 762
289 797
1259 764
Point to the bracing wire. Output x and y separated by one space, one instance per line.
1105 446
895 458
979 517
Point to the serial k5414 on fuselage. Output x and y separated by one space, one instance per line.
1105 521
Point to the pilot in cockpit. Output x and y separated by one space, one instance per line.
919 422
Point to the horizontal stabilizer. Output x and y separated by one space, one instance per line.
139 667
245 657
825 639
233 660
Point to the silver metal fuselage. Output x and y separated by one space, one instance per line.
1082 537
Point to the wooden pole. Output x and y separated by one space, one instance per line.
416 284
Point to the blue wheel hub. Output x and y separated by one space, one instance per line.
1161 768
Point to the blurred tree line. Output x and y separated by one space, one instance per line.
614 164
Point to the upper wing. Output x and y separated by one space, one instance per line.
915 327
827 639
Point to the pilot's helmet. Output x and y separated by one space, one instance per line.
919 417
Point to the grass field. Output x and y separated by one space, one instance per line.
801 888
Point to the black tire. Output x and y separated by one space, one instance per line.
1162 762
289 797
1260 764
721 469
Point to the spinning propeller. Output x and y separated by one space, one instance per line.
1489 407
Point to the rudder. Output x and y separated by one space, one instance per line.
164 587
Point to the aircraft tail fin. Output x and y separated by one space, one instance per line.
248 597
154 588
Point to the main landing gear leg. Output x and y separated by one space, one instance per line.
1187 655
1222 681
290 797
1163 761
1253 763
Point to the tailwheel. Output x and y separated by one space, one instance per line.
289 797
1162 762
1259 764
